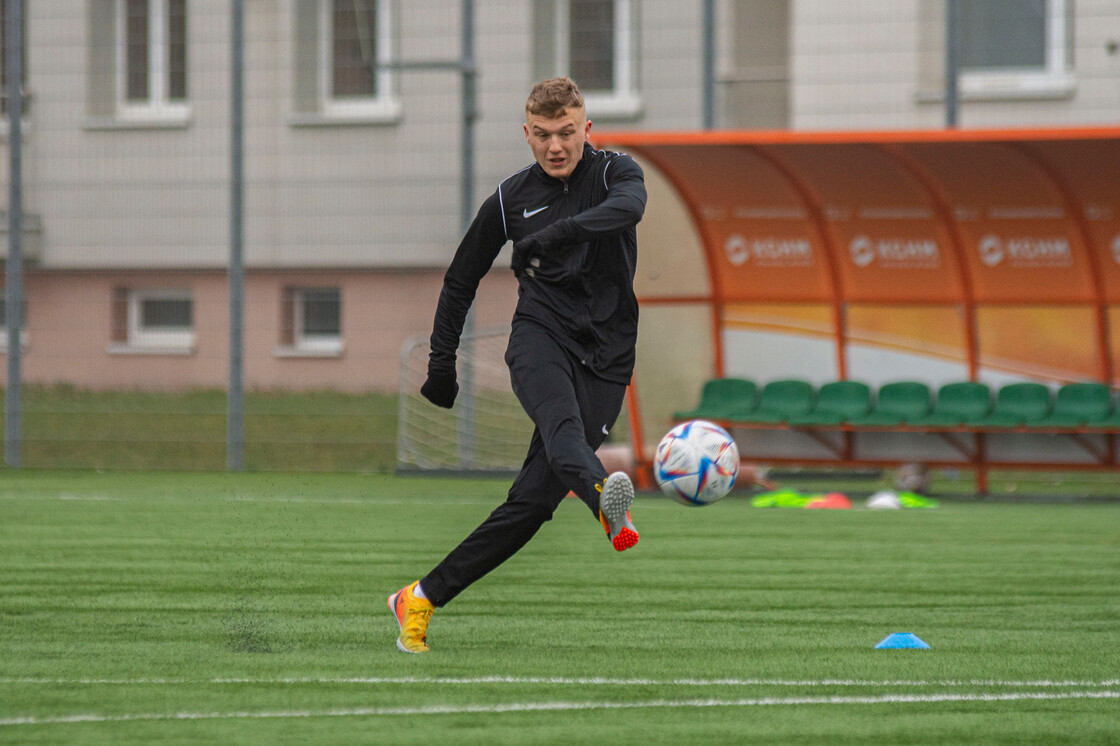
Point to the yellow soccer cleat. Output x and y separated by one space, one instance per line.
614 511
412 615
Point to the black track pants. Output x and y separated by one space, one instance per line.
572 409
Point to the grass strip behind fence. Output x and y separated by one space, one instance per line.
66 427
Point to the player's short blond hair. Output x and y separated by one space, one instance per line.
553 97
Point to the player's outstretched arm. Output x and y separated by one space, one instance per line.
624 206
473 259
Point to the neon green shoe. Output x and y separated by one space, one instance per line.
412 615
614 511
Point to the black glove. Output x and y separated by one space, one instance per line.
523 251
543 241
440 388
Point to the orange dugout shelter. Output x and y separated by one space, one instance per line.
989 255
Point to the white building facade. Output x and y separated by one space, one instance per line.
352 198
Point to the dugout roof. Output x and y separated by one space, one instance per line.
992 224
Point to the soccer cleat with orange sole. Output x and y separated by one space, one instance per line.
614 511
412 615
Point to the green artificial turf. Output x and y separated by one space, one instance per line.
138 608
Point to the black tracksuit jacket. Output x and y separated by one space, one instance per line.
581 292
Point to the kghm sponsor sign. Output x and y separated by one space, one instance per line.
895 252
768 251
1025 252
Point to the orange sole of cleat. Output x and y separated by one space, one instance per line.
393 601
625 539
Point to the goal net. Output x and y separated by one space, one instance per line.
486 431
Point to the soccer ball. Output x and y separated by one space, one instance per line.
696 463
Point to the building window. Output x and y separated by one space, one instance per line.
1016 48
154 321
356 41
594 42
4 57
343 49
351 49
311 323
152 59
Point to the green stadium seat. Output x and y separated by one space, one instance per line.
1110 421
722 398
1017 404
780 400
897 403
837 401
956 404
1078 404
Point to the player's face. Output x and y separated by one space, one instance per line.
557 144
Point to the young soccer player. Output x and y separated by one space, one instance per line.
572 217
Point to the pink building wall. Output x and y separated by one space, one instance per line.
69 327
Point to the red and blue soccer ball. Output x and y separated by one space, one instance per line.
696 463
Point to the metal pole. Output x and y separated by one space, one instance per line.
466 207
235 395
952 61
466 213
465 65
13 298
709 64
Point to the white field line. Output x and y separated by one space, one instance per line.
559 706
90 498
566 681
